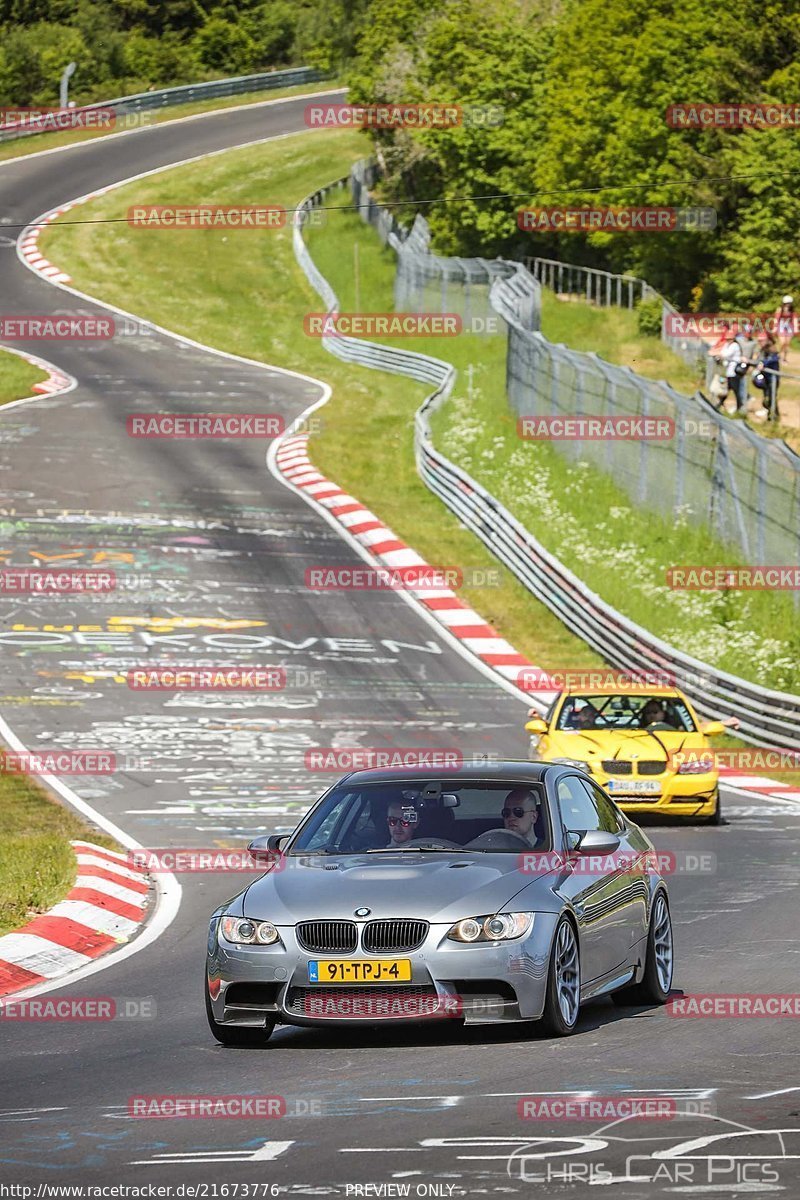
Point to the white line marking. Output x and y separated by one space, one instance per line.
168 890
765 1095
115 890
95 919
265 1153
109 137
40 955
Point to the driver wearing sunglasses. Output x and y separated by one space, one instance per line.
520 810
402 820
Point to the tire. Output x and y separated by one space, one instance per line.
657 979
562 1001
716 816
237 1035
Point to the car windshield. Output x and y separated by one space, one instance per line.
427 816
586 712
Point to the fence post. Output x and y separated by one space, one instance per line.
643 446
762 505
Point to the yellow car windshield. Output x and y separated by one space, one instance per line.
624 711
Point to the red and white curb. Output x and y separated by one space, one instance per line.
376 540
759 784
29 239
471 629
29 248
104 909
57 381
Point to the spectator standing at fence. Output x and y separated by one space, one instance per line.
735 370
769 368
715 360
751 352
785 325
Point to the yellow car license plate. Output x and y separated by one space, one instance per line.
364 970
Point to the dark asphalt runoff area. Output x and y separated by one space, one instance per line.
210 552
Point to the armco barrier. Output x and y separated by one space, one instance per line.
767 717
186 93
606 289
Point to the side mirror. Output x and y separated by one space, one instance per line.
595 841
712 728
537 725
263 850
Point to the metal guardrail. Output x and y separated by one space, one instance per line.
606 289
184 94
603 288
767 717
743 487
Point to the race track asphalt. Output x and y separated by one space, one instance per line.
210 551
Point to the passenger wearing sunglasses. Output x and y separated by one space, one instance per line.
520 810
402 820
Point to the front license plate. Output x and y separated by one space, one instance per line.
364 970
634 787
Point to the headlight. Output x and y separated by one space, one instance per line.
244 932
575 762
696 766
499 928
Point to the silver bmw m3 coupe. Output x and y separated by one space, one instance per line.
504 892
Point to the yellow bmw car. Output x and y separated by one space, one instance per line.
645 746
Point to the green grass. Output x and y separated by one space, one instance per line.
18 148
578 513
622 549
249 296
37 863
613 334
17 377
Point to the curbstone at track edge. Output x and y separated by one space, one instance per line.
105 908
493 653
57 381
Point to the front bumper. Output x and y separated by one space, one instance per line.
692 796
680 795
479 983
